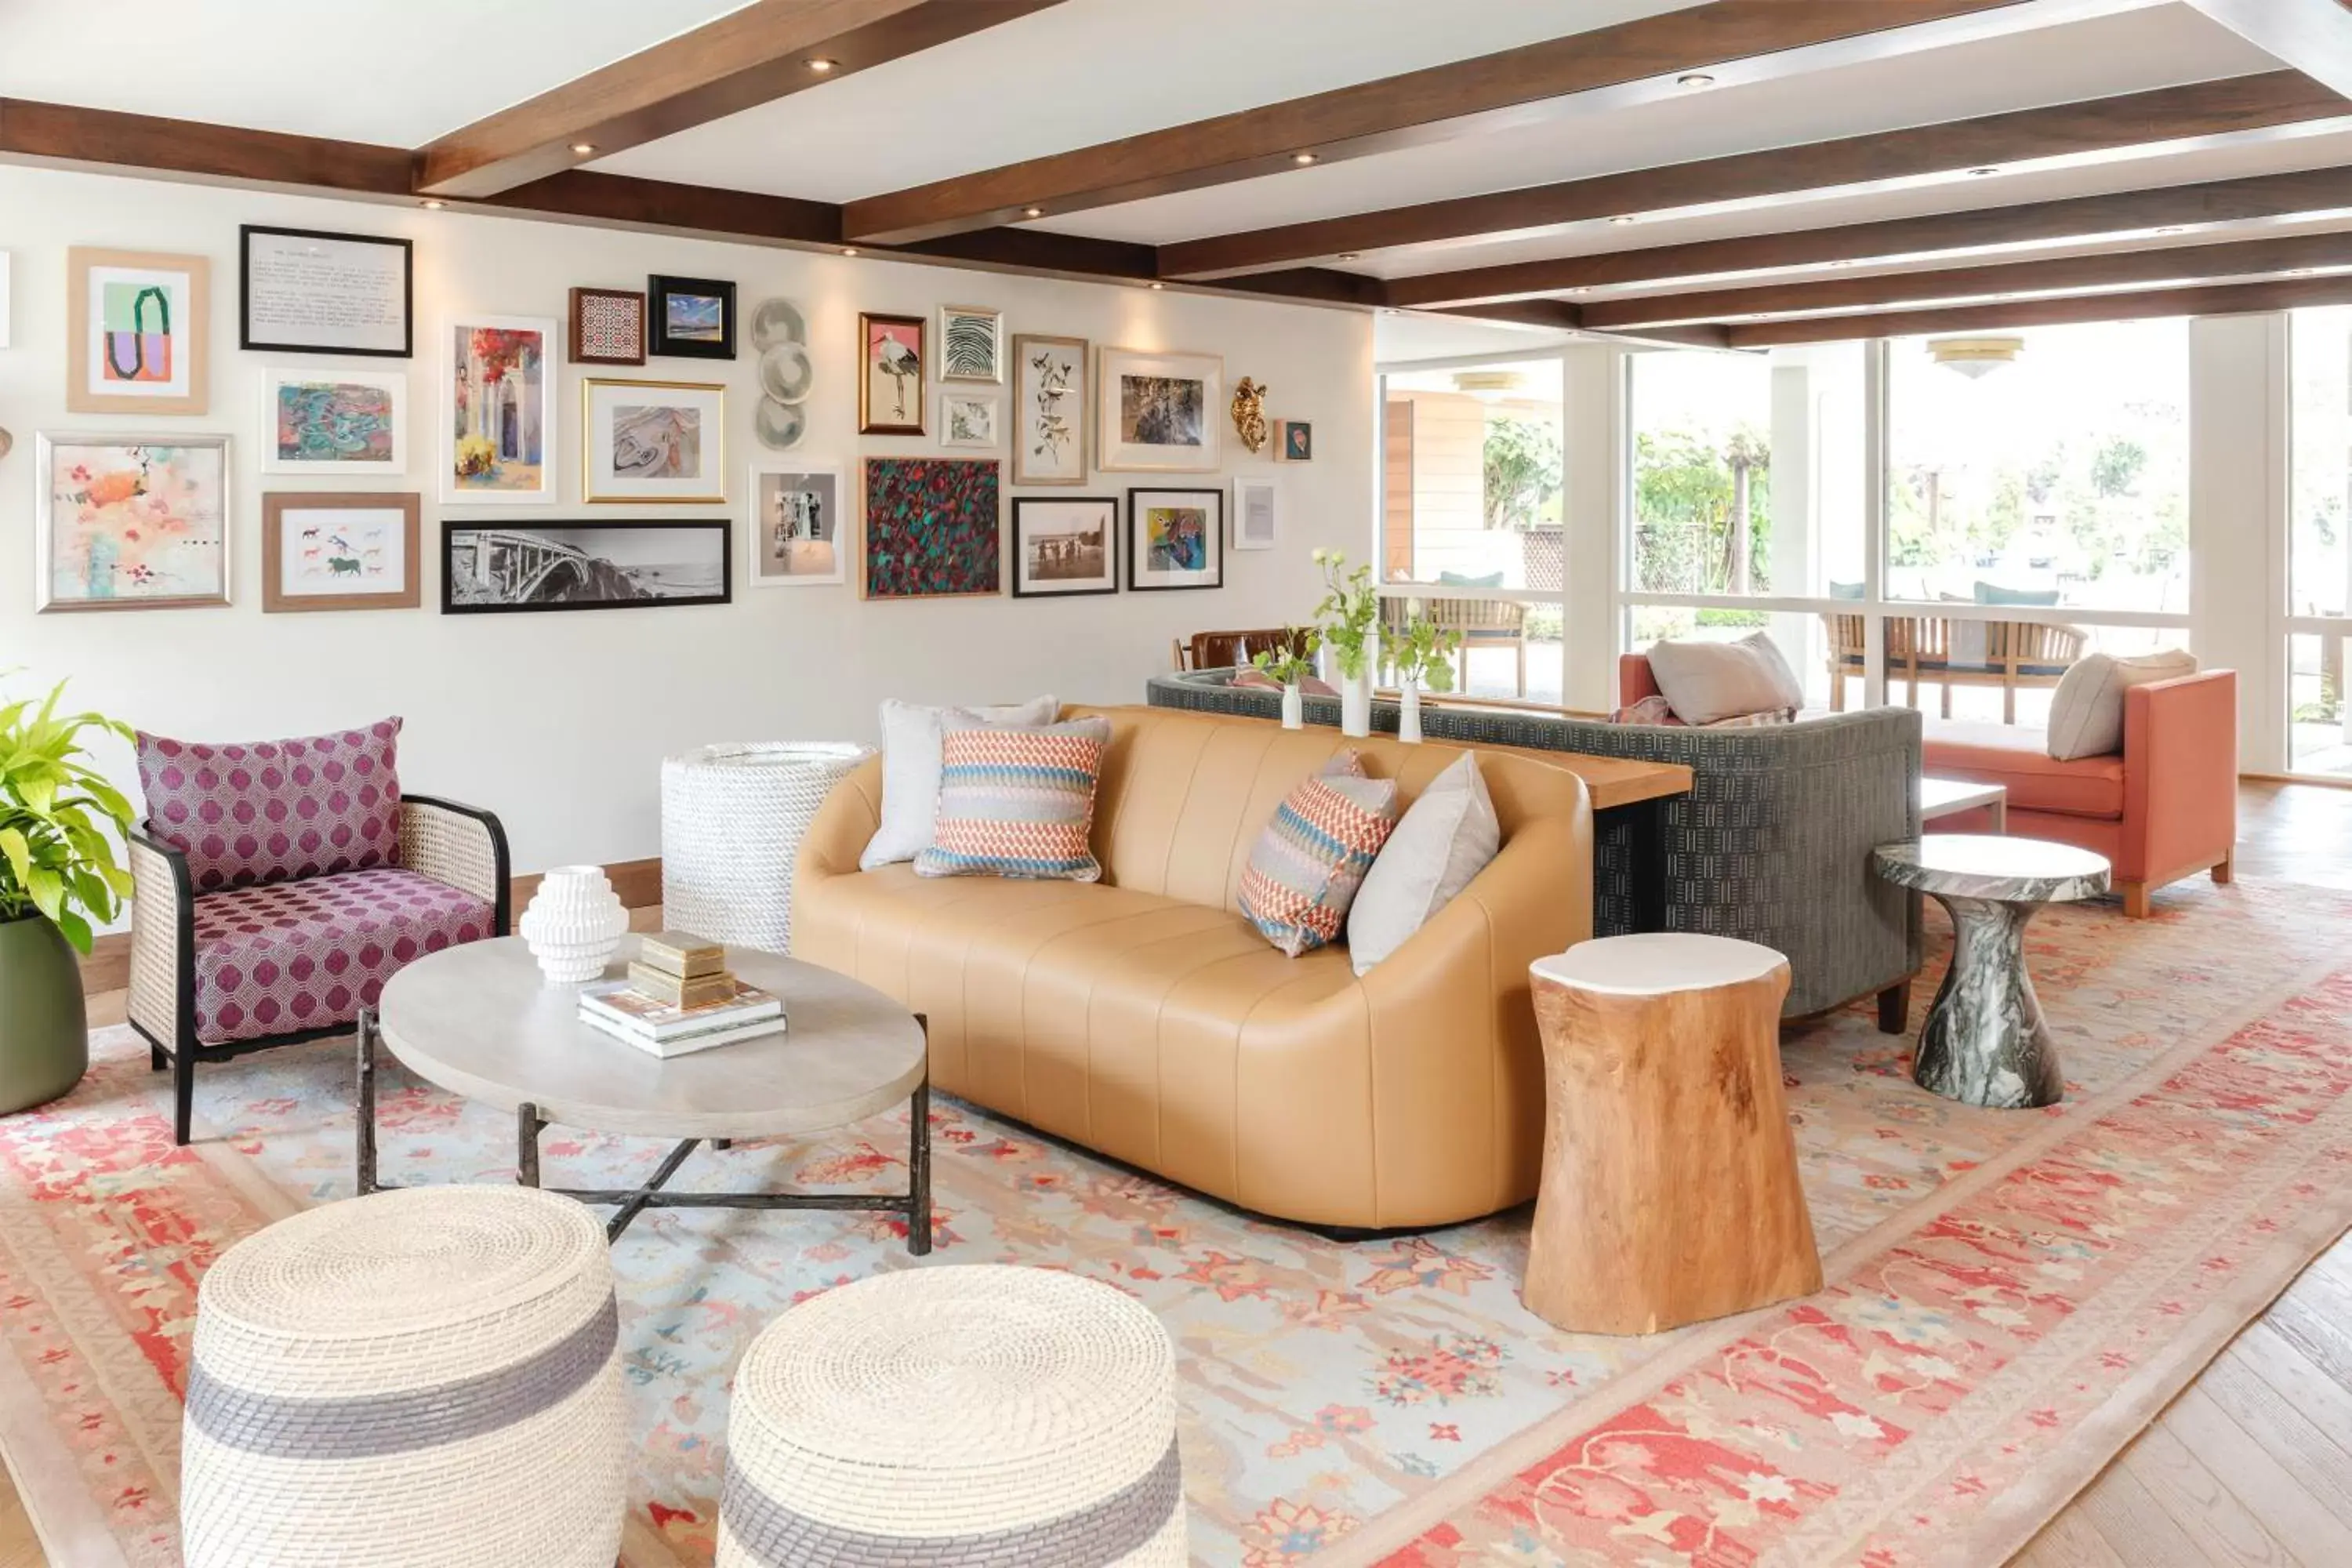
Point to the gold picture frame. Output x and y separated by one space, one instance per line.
601 481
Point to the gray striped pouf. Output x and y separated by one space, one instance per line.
956 1417
428 1375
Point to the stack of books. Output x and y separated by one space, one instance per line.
680 998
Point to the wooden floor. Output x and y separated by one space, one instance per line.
2252 1464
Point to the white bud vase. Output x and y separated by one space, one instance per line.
575 924
1294 707
1408 712
1356 701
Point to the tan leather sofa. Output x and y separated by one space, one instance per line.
1142 1016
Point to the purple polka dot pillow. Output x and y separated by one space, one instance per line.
275 811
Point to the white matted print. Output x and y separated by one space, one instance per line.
339 551
1049 410
1257 513
139 322
1175 540
330 422
1064 546
971 344
660 441
1158 412
970 418
498 421
796 537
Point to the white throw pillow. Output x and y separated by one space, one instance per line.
2086 712
1445 840
911 739
1706 681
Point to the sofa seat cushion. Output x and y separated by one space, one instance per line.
2018 758
310 954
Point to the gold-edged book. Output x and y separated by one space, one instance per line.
663 986
681 954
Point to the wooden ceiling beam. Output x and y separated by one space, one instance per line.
2216 299
2315 37
2260 197
1628 61
745 58
65 135
2278 102
2179 264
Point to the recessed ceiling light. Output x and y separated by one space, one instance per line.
2301 271
1033 212
821 65
434 207
1157 286
1842 262
583 148
1347 256
1622 218
1694 79
1302 159
849 250
1981 173
2174 228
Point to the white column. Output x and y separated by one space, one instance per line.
1796 518
2237 403
1593 432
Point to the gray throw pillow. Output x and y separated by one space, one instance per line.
1446 840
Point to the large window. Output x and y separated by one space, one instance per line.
2319 558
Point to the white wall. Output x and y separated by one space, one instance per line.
558 722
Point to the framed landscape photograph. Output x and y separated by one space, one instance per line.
932 527
499 569
796 537
137 322
132 522
330 422
338 549
608 327
1049 410
890 352
1257 504
1065 547
497 424
653 441
1158 412
968 418
971 344
691 318
308 292
1175 540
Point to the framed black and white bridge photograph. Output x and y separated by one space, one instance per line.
490 568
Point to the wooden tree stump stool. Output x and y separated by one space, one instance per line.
1670 1191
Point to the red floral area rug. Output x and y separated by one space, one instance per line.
2010 1297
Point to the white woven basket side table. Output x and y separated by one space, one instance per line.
957 1417
427 1375
733 819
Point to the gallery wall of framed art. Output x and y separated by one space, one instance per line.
233 622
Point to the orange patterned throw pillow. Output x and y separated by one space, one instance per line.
1312 857
1016 801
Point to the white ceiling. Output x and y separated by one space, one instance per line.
399 72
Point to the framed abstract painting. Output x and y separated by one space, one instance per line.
890 352
132 522
339 550
1294 441
795 538
138 326
653 441
608 327
1049 410
1175 540
332 422
932 527
497 424
1160 412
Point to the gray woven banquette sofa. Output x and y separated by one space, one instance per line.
1771 845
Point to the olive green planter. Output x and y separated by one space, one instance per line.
44 1033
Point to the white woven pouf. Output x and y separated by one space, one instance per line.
732 817
956 1417
428 1375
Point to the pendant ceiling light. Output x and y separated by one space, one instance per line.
1976 357
1490 384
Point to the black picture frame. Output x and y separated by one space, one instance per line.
1021 546
248 341
658 340
721 531
1214 499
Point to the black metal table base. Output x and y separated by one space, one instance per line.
915 1202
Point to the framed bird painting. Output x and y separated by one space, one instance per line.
890 355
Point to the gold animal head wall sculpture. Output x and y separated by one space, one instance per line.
1249 414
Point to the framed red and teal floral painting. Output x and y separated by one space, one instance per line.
932 527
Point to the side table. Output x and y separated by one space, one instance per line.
732 817
1670 1191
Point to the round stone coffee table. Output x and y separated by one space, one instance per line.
1984 1041
480 1021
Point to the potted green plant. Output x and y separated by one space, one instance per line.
1291 663
1422 658
59 881
1350 628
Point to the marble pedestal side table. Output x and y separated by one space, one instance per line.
1669 1192
1984 1042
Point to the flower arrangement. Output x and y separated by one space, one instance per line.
1293 661
55 856
1350 612
1424 655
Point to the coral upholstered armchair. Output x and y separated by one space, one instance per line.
279 885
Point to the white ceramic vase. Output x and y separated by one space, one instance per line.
575 924
1356 701
1294 707
1408 712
